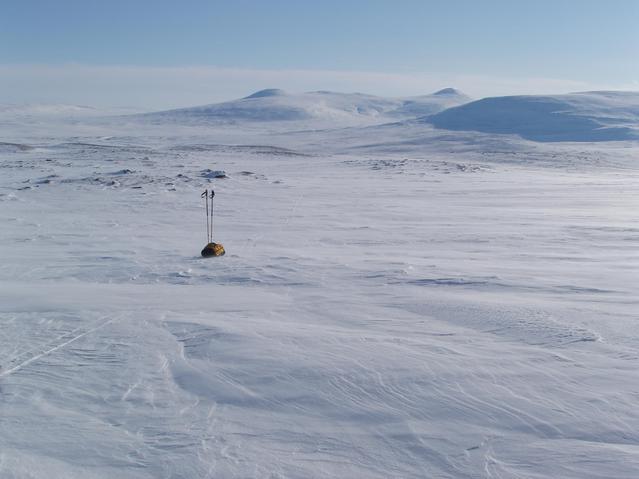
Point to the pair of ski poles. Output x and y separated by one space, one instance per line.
209 216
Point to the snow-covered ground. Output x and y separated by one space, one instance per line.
395 301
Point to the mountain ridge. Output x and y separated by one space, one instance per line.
274 104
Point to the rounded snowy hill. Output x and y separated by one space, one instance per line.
275 105
429 104
587 116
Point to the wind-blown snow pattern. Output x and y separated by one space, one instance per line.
396 300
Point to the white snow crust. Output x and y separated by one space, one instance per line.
396 300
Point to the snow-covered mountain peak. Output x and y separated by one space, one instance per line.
267 92
449 91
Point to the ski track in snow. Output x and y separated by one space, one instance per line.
388 307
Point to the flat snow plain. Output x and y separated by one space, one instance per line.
394 303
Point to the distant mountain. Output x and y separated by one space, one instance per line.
588 116
277 105
55 111
429 104
45 109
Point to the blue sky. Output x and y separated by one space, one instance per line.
79 51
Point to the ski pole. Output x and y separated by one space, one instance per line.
212 195
205 195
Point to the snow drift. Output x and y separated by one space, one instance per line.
499 339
